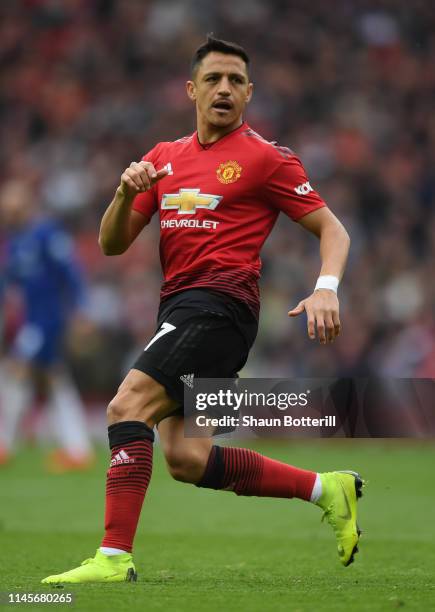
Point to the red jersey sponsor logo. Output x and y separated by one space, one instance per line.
204 224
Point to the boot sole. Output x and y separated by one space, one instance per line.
359 483
131 575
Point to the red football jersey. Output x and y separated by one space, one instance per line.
218 205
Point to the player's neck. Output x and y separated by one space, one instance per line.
208 133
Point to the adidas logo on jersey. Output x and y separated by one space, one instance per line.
168 167
187 379
304 188
120 458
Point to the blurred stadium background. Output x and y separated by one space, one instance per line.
89 85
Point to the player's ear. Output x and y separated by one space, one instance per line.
250 92
191 90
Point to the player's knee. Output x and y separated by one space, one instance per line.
116 410
140 398
127 405
186 466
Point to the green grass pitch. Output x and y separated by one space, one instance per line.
205 550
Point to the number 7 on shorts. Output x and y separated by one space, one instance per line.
165 329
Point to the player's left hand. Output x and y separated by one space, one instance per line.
322 314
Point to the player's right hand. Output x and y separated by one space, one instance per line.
139 177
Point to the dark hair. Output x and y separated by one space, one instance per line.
221 46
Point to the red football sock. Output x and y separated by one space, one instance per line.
248 473
127 481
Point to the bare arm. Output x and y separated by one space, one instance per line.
120 224
334 240
322 305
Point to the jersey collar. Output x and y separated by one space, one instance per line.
205 147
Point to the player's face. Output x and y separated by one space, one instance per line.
220 90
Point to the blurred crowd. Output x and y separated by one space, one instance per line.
87 86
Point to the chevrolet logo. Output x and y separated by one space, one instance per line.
186 201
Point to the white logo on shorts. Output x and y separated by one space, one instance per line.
187 379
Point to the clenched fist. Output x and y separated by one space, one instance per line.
139 177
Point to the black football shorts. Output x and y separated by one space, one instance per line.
200 334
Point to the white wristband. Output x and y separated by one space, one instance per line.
327 282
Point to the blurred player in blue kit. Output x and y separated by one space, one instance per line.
37 259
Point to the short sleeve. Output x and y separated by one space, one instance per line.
146 203
288 188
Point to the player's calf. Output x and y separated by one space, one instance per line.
246 472
187 465
186 458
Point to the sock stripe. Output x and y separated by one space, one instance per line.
129 476
120 447
133 491
246 472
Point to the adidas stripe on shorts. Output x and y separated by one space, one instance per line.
200 334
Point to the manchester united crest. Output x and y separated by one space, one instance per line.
229 172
